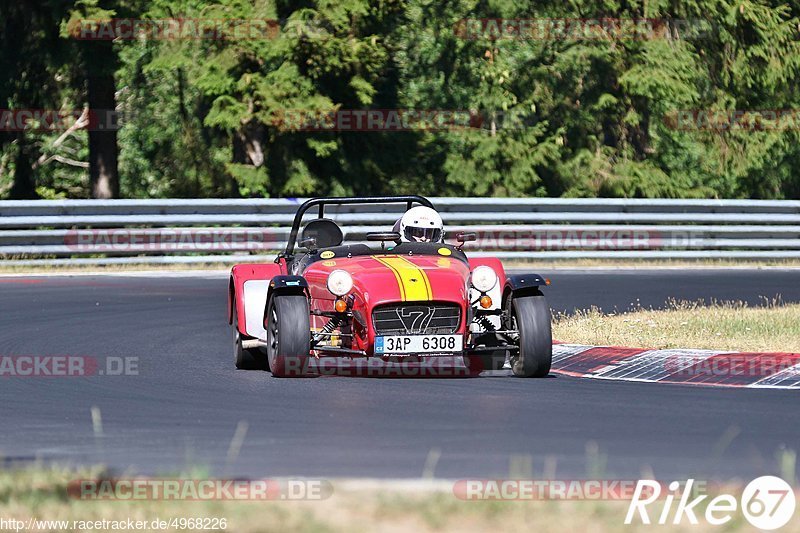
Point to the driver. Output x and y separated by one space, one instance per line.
420 224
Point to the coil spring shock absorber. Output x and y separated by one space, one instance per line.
485 323
331 325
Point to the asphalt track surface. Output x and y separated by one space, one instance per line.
182 408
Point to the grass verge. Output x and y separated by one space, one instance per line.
735 326
41 493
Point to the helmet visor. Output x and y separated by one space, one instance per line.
416 234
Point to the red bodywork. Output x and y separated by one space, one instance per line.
239 275
378 279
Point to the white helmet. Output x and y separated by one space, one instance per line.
421 224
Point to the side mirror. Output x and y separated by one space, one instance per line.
309 243
464 237
383 236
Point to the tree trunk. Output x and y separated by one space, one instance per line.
23 187
16 19
103 172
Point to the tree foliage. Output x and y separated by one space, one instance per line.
556 115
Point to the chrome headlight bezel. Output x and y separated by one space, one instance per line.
340 282
484 278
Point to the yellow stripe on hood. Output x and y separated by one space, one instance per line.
413 282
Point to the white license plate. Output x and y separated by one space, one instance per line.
419 344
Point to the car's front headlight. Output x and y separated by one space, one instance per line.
340 282
484 278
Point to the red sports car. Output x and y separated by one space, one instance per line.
393 300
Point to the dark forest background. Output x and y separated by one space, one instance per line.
201 117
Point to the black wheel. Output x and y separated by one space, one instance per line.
288 335
246 358
530 316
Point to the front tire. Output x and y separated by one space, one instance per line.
245 358
530 316
288 335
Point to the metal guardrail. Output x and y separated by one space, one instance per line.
207 230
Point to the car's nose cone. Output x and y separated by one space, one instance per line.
396 278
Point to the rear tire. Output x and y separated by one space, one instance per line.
288 335
245 358
530 315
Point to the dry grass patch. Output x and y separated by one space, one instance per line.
735 326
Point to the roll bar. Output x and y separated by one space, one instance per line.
409 200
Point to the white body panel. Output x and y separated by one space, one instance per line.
496 294
255 301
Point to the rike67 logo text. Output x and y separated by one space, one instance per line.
767 502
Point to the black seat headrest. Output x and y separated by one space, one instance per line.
325 231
